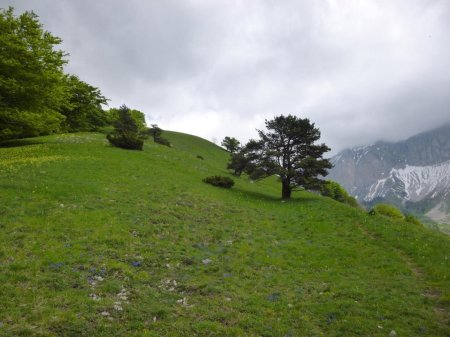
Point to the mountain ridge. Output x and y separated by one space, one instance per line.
413 173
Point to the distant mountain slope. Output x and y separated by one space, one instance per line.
414 174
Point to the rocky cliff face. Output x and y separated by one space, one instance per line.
414 174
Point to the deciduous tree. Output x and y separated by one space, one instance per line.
32 86
84 110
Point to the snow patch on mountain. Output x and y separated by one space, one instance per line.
414 183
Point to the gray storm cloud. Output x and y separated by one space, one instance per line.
361 70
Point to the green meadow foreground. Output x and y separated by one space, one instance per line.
100 241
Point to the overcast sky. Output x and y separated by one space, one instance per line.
361 70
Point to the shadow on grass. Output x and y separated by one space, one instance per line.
296 199
19 143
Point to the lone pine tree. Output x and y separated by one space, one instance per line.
287 149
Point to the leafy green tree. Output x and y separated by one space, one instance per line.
84 111
126 131
138 117
231 144
288 150
32 81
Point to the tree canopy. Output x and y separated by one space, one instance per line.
136 115
231 144
31 77
286 149
84 109
36 96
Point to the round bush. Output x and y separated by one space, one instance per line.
124 141
219 181
388 211
163 141
335 191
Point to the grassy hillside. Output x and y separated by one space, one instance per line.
99 241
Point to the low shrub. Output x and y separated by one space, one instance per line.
200 157
162 141
124 141
335 191
219 181
412 219
387 211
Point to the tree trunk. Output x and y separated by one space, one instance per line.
286 189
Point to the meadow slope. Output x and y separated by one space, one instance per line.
100 241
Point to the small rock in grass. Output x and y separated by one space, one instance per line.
290 305
56 266
95 297
380 327
392 333
136 264
92 280
181 300
123 295
206 261
118 307
274 297
104 313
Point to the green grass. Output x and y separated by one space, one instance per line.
99 241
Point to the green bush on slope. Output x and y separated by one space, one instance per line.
335 191
219 181
125 134
387 211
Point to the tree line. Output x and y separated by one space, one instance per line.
36 96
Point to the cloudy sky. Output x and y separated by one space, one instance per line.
361 70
